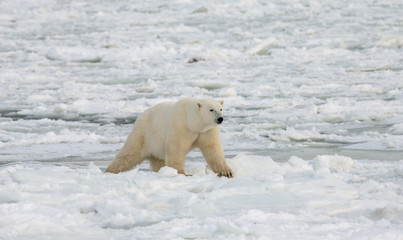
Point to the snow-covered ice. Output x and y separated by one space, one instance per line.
313 129
296 199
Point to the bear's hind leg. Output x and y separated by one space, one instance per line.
129 156
124 163
156 164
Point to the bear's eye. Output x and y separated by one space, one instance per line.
211 110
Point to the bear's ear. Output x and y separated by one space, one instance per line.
199 105
222 102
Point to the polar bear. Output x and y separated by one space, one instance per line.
166 133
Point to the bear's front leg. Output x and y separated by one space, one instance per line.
211 148
178 144
175 155
176 160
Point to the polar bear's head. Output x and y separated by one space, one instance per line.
210 113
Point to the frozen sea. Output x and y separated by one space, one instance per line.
313 128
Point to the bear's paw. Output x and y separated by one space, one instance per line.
226 172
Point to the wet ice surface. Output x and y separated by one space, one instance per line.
302 81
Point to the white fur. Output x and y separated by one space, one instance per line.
164 134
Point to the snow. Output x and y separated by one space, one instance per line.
266 199
313 118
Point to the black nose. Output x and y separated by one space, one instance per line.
219 120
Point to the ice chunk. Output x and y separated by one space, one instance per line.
71 54
264 47
299 163
148 87
227 92
391 41
93 168
334 162
201 10
168 172
397 129
210 85
246 165
399 168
